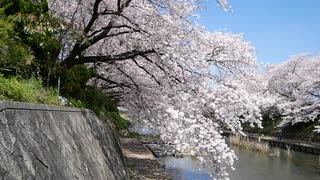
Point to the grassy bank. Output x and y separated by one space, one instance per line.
27 90
261 147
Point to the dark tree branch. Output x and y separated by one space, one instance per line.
124 5
145 70
121 85
161 67
114 27
111 58
127 19
94 17
82 45
119 5
123 32
148 59
129 77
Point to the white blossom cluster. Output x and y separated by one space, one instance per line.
291 89
297 89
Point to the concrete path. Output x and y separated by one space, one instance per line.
140 161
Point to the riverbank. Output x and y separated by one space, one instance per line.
297 145
150 158
141 162
159 148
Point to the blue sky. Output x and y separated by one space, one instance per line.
277 28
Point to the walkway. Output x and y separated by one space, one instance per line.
140 161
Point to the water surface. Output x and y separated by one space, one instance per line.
251 166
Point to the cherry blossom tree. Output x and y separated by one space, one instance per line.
166 71
300 89
292 89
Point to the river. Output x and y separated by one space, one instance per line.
250 166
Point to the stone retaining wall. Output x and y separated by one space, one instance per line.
51 142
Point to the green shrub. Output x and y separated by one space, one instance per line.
15 58
30 90
80 95
74 82
74 87
33 30
119 122
76 103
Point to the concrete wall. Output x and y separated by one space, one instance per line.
49 142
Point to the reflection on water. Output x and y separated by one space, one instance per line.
251 166
184 168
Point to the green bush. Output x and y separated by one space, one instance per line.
34 29
74 82
30 90
119 121
74 87
15 58
76 103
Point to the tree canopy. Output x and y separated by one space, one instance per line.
291 89
164 69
